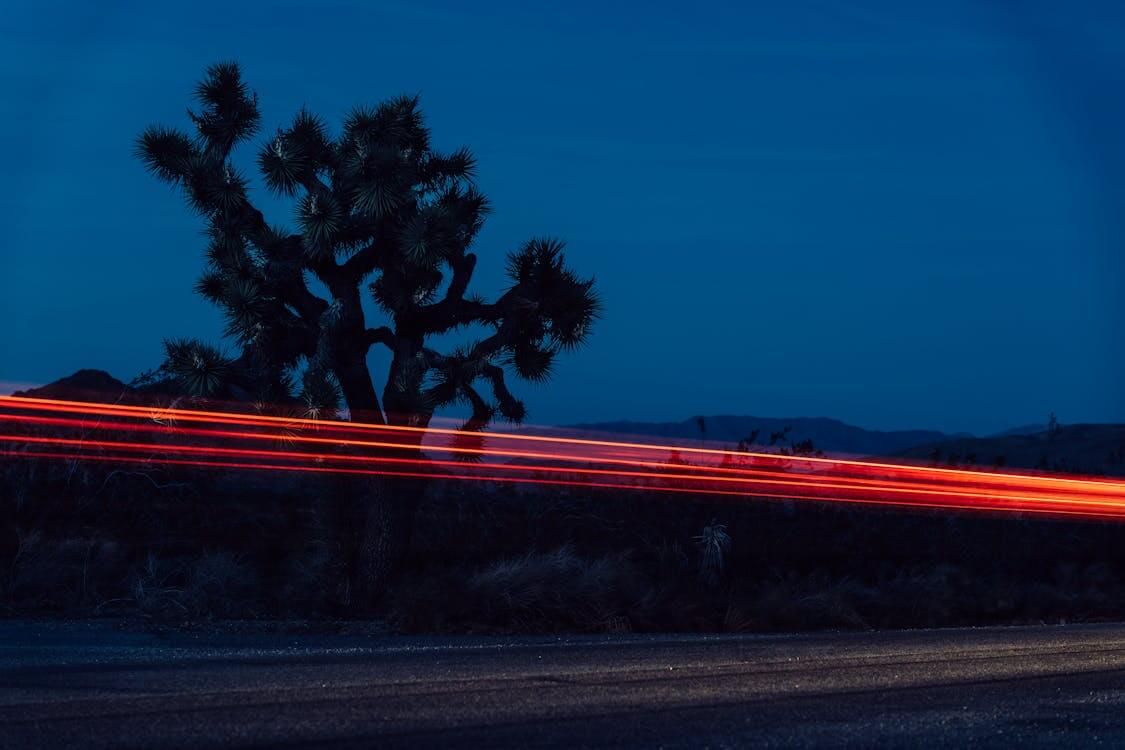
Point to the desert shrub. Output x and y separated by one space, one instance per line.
72 573
156 589
792 601
312 581
220 584
918 597
557 590
896 598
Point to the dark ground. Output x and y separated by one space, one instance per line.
93 684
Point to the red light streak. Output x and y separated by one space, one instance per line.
666 471
814 482
689 478
767 475
1048 511
196 415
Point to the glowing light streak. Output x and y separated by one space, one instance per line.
173 414
665 469
795 480
871 501
740 474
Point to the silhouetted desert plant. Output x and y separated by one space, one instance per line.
43 572
714 546
220 584
158 588
537 592
377 205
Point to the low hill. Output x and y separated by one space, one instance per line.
1078 448
1026 429
92 385
829 435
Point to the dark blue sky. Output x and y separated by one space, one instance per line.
898 214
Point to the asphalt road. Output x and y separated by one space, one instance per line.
94 685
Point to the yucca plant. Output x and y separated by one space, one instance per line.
377 208
714 546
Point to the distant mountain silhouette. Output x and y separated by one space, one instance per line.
1077 448
829 435
92 385
1027 429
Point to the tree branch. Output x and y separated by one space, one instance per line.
511 407
364 261
457 311
482 412
486 349
462 274
453 310
289 284
381 335
315 185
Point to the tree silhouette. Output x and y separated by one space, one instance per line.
1054 429
375 205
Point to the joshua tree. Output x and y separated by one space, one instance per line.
376 205
1053 427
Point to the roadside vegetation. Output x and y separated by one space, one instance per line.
182 545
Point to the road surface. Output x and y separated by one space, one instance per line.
96 685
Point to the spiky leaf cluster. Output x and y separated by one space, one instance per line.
201 369
320 395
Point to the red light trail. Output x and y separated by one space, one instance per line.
875 501
730 482
666 471
170 415
394 451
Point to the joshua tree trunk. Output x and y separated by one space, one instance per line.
359 392
387 512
